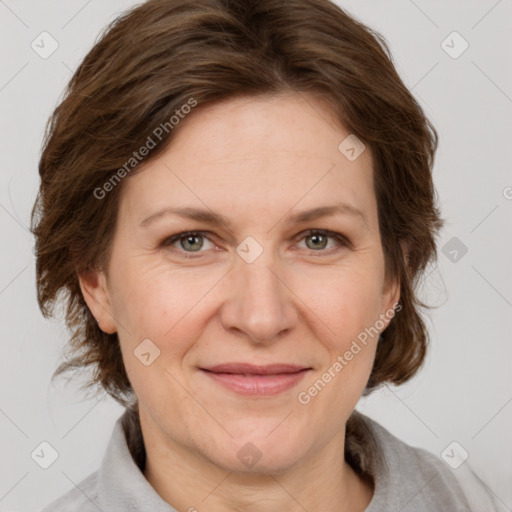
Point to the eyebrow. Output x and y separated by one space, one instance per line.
216 219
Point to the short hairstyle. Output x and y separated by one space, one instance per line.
164 54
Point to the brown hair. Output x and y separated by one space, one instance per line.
151 61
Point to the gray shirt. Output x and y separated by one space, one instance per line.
406 479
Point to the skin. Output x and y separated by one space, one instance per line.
256 161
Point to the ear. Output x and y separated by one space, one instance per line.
391 290
391 295
93 284
404 244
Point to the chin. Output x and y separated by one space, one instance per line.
261 448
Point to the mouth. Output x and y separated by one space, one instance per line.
256 380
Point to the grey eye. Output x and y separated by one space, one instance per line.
319 241
192 242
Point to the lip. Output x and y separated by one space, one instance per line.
256 380
254 369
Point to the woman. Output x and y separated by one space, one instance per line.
237 199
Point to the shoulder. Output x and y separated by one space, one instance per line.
81 498
409 478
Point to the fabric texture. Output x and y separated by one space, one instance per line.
406 478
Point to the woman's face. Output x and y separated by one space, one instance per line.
255 287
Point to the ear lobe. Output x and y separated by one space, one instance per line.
94 288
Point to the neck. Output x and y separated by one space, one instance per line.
188 480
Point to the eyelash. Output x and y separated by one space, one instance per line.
341 240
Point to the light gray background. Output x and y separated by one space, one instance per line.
464 392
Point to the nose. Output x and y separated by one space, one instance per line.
259 303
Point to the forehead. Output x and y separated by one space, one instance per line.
260 155
261 127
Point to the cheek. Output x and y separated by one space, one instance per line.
346 306
156 323
349 306
345 301
159 305
147 299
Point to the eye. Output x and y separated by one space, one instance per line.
189 242
317 240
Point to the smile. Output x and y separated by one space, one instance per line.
249 380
